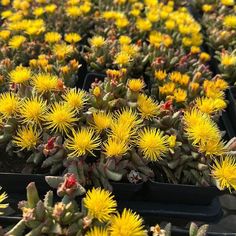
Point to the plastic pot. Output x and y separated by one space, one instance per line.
180 194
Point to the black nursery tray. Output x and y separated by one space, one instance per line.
90 78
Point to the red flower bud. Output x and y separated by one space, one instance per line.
70 181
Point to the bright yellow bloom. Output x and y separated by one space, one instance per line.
171 141
5 2
20 75
3 197
210 105
32 110
52 37
180 95
60 118
143 24
207 7
124 40
100 204
127 224
75 99
45 82
72 38
96 231
130 49
155 38
167 89
16 41
228 59
224 171
115 148
97 41
26 138
5 34
205 56
160 75
82 142
230 21
136 85
50 8
152 143
122 22
73 11
38 11
10 103
62 50
195 50
122 59
101 121
147 107
227 2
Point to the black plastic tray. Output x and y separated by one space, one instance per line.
90 78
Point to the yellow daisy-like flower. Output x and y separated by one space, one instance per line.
75 99
5 34
224 171
3 197
115 148
96 231
143 24
52 37
97 41
45 82
228 60
160 75
228 2
9 105
26 138
20 75
125 40
101 121
122 59
230 21
100 204
60 118
32 110
180 95
50 8
62 50
127 224
147 107
152 143
210 105
136 85
72 38
16 41
81 142
73 11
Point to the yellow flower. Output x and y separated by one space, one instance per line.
171 141
75 99
97 41
38 11
136 85
170 24
205 56
203 132
210 105
72 38
101 121
62 50
50 8
224 171
131 49
45 82
124 40
194 86
147 107
97 91
3 197
100 204
152 143
115 148
16 41
155 38
230 21
127 224
227 2
122 22
195 50
96 231
143 24
32 110
180 95
228 60
26 138
160 75
9 104
60 118
5 34
82 142
167 88
52 37
207 7
5 2
122 58
20 75
73 11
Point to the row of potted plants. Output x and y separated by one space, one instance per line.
149 116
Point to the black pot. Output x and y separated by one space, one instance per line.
127 191
82 72
231 108
90 78
180 194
